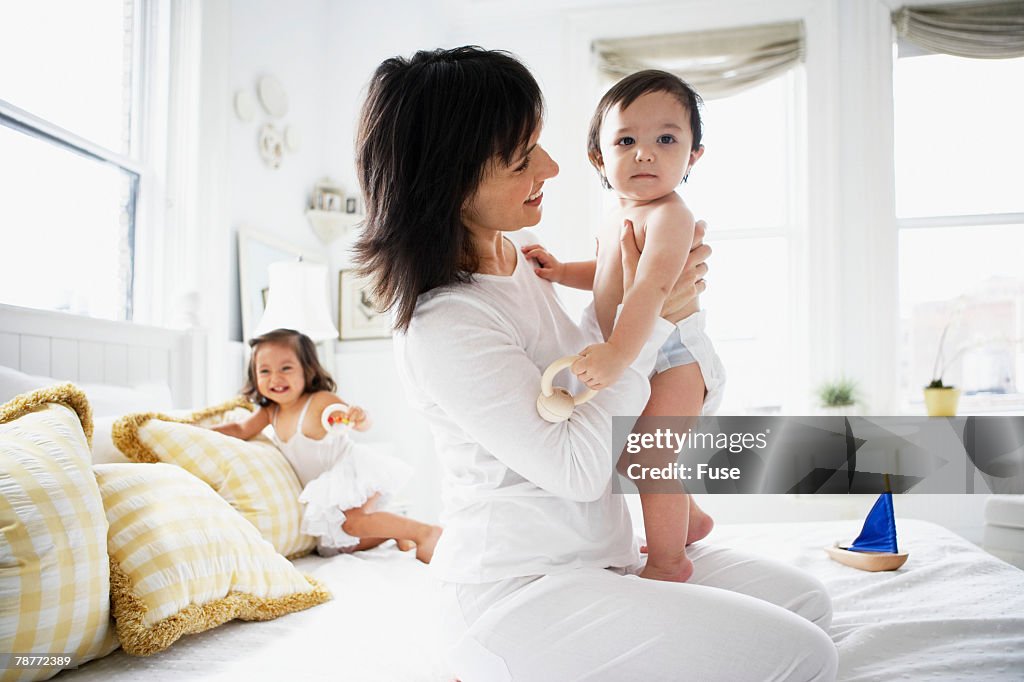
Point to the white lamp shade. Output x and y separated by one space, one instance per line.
298 300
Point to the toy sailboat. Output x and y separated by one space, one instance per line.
875 548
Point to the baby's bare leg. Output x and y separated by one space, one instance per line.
361 523
368 543
667 508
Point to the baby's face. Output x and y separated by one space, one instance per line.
279 374
645 148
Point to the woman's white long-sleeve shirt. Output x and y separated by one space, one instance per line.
520 496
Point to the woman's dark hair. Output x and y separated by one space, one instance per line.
429 129
317 378
630 89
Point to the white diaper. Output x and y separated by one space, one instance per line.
688 343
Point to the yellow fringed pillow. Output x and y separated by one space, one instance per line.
54 574
253 476
183 561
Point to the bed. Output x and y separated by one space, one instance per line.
952 612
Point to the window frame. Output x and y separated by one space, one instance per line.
38 128
793 230
148 82
969 404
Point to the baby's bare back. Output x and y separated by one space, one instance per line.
608 291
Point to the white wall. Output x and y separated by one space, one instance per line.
289 42
362 35
324 51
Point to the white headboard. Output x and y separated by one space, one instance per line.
88 350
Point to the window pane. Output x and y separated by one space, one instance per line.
68 62
972 275
743 180
958 135
748 278
65 229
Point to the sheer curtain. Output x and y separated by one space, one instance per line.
716 63
985 30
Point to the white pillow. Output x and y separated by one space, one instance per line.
114 401
105 400
14 383
103 449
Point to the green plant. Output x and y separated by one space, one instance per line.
939 368
839 393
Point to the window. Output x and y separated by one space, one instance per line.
746 184
960 214
749 186
69 171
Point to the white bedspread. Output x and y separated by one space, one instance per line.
952 612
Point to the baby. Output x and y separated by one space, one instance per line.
644 138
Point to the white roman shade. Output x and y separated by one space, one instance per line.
716 63
981 30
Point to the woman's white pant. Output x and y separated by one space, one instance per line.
739 618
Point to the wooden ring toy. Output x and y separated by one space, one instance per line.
328 420
555 404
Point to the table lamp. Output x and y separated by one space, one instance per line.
298 300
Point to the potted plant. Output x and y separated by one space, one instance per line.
941 400
837 397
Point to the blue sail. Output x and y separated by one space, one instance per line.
879 531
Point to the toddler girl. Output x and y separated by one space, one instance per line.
342 482
643 140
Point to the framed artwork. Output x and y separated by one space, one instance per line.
358 317
256 251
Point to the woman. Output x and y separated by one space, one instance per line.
538 556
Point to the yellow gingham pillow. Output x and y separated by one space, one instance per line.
183 561
54 575
253 476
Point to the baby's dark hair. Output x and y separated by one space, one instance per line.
317 378
631 88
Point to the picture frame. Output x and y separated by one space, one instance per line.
256 251
358 318
328 196
332 201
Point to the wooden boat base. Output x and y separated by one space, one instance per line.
867 561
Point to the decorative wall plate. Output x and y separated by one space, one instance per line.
245 105
272 96
292 139
271 145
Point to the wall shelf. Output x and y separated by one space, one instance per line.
329 225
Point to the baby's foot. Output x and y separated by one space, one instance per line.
405 545
700 524
676 570
425 544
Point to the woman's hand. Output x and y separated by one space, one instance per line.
683 300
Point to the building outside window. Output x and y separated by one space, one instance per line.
960 215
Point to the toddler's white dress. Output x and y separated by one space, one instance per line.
337 474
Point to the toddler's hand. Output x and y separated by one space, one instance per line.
599 365
357 418
550 268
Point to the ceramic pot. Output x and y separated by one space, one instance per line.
838 410
941 402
